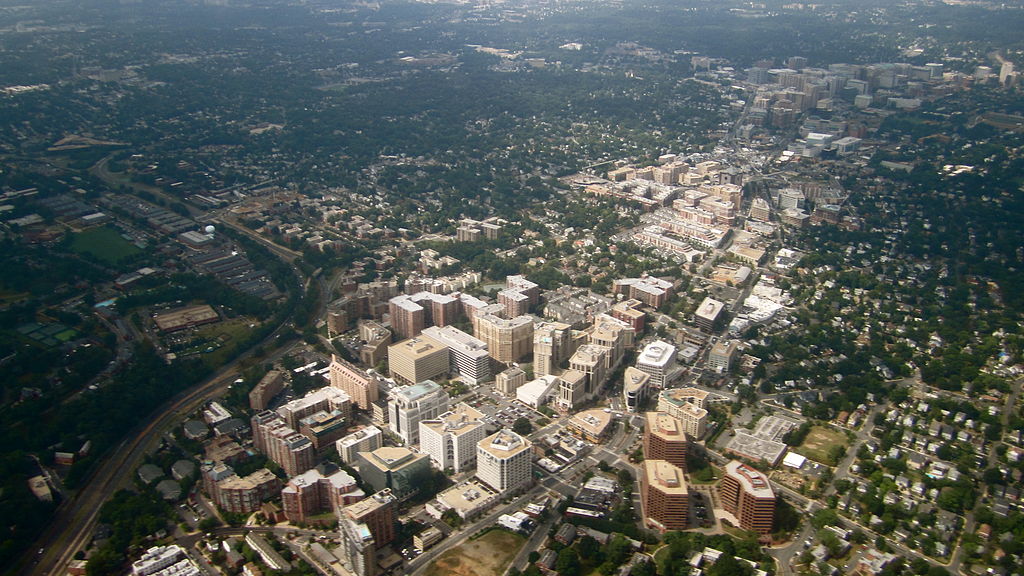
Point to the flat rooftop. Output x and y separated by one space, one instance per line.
504 444
753 481
657 353
666 477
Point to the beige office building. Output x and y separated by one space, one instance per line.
417 359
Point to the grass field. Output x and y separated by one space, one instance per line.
104 243
485 556
819 442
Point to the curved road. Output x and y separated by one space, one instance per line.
74 521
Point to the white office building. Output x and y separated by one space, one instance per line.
657 359
503 462
451 440
467 355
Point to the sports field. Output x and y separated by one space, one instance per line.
103 243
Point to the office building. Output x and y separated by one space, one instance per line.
635 388
760 210
708 313
721 356
467 356
410 405
659 360
363 440
551 347
418 359
665 439
360 386
665 497
507 341
746 494
312 493
324 428
396 468
508 381
503 462
590 425
451 439
692 417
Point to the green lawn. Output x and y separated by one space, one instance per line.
819 442
103 243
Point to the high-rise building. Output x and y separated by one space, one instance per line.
665 496
451 439
665 439
269 386
550 347
467 355
324 428
507 341
312 493
521 284
692 417
408 317
572 390
396 468
379 513
358 550
361 387
410 405
319 400
503 462
245 495
376 338
657 359
594 361
292 451
613 334
760 210
418 359
508 381
365 527
365 439
747 495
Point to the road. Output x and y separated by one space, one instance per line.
421 562
73 524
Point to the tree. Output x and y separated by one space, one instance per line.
522 426
568 563
729 565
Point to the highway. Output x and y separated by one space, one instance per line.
73 524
